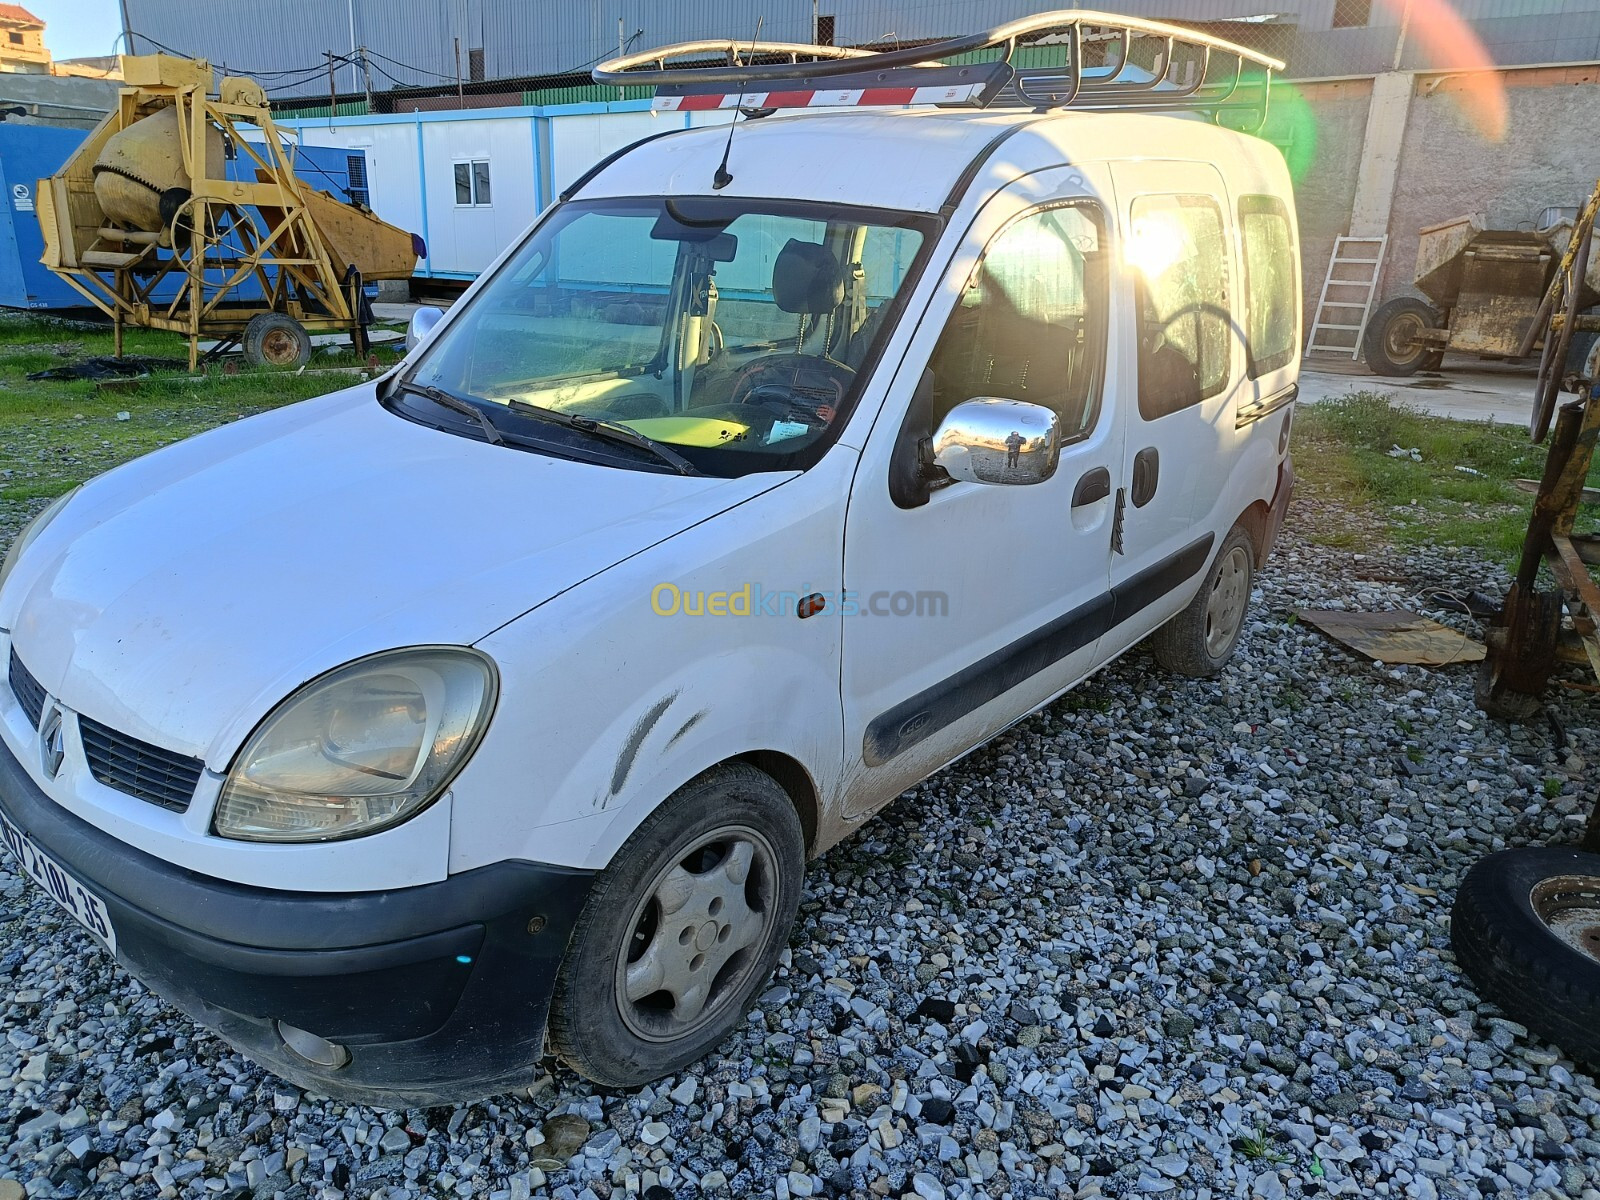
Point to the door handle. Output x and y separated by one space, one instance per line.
1095 485
1146 471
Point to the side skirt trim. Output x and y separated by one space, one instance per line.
895 731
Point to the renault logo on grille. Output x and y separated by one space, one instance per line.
52 743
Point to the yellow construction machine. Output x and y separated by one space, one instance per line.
260 262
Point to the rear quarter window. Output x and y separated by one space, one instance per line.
1271 289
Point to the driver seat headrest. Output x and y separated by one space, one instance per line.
806 279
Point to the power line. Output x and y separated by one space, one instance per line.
299 77
409 67
321 67
309 77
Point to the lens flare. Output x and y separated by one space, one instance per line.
1448 43
1154 243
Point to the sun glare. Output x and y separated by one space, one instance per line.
1448 42
1154 244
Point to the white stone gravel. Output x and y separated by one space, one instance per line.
1167 938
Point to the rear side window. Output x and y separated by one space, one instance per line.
1178 248
1031 322
1271 291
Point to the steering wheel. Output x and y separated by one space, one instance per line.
803 387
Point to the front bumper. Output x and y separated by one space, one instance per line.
439 992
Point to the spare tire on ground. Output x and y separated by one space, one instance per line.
1526 929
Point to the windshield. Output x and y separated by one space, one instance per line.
733 331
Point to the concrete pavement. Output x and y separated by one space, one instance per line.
1467 389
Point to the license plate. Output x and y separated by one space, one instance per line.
78 900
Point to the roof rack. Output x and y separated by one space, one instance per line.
1079 59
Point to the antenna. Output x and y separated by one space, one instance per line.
723 176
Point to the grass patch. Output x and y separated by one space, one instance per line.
1455 490
56 434
1256 1146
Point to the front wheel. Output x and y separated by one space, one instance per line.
1200 640
681 930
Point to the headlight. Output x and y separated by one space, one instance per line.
360 749
32 530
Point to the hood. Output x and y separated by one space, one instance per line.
181 596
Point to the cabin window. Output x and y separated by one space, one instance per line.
472 183
1031 321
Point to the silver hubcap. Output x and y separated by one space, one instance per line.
1225 605
1569 905
697 935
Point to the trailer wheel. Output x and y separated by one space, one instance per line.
1389 343
275 340
1526 928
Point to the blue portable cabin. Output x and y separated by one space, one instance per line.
29 153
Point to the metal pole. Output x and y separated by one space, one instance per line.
366 76
814 29
1400 41
460 101
621 45
333 91
355 83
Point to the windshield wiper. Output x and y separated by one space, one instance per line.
444 399
610 432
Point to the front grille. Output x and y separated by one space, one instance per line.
138 768
28 690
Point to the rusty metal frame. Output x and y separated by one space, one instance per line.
1537 628
288 258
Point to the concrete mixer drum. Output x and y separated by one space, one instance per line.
140 178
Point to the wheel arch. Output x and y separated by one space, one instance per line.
791 775
1255 521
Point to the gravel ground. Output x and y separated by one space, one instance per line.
1166 937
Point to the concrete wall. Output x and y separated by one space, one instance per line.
1550 155
1448 168
54 100
1323 144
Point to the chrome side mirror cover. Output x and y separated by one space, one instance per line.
991 440
422 323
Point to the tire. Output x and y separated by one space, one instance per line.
1388 342
275 340
1200 640
619 1037
1526 929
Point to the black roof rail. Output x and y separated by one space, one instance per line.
1107 62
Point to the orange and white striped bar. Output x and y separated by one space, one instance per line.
820 98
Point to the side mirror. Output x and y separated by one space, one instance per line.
990 440
422 323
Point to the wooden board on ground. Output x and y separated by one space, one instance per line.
1399 636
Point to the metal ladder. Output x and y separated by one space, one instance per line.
1364 255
